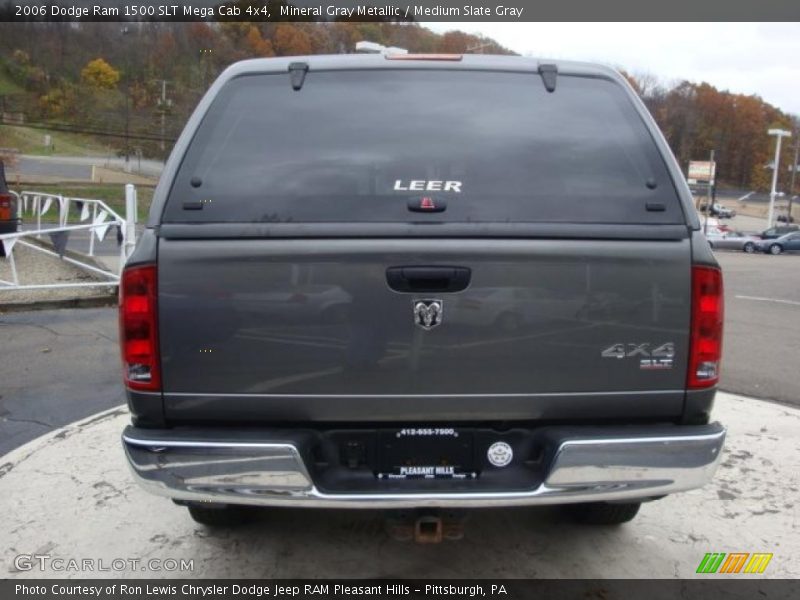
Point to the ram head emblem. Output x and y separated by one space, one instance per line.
427 313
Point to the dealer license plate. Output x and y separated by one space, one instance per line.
426 453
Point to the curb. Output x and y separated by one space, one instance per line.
92 302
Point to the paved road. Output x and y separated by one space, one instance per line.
750 196
56 366
762 325
59 366
29 167
78 167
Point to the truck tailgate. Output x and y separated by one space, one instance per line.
301 329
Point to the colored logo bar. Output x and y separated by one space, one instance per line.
735 562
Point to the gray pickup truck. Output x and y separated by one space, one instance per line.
421 282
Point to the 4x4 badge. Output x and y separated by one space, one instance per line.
655 359
428 313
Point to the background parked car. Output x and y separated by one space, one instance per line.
732 240
786 243
8 208
777 231
785 219
723 212
718 210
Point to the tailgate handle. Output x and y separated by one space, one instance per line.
428 279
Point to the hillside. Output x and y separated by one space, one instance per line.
89 78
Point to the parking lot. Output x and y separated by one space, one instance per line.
71 495
762 325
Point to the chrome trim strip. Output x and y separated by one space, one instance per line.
584 469
514 395
202 444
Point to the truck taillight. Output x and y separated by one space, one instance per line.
5 207
705 351
138 328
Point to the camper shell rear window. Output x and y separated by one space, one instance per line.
380 145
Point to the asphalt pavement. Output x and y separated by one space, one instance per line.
761 350
32 167
78 168
56 366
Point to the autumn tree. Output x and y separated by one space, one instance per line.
200 35
289 40
25 72
257 45
696 118
100 75
60 101
165 54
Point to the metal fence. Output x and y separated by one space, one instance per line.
74 214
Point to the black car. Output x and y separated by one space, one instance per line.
8 208
719 210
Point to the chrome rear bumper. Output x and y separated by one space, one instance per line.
586 465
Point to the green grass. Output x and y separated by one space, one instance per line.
113 195
27 140
7 86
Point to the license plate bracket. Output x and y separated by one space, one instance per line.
426 453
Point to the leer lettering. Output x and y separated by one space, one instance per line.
433 185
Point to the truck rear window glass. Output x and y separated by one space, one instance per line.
367 146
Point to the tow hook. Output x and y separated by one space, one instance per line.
425 526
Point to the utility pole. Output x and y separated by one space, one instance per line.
780 134
125 31
163 103
127 125
711 176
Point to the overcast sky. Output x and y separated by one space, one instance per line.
748 58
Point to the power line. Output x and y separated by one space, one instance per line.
73 129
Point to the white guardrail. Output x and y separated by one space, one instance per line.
91 215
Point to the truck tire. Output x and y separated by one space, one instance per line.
603 513
219 516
